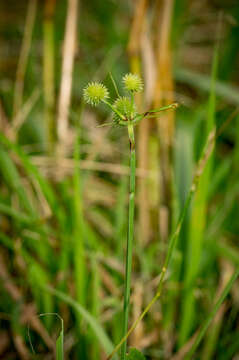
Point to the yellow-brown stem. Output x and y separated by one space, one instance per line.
143 129
69 50
163 96
49 73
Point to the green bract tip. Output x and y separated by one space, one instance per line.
125 107
94 93
133 83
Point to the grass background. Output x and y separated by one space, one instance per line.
64 193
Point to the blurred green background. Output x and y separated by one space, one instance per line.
64 180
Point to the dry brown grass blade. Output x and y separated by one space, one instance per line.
112 263
69 49
3 118
4 341
180 355
21 347
99 192
100 222
24 55
8 283
149 339
108 282
66 166
49 74
22 114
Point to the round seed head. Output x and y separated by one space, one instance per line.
94 93
133 83
124 106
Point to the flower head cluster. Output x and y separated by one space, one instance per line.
133 83
124 109
94 93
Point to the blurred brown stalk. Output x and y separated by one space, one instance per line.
24 55
142 141
49 73
134 48
149 48
149 53
163 95
69 49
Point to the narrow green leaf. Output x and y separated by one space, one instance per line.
12 179
203 82
32 171
16 215
59 346
198 223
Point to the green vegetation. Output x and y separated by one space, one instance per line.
119 202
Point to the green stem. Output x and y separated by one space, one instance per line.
114 84
168 107
129 240
114 109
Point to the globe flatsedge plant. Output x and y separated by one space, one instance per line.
124 114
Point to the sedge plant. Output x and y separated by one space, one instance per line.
124 114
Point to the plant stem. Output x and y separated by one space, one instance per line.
129 240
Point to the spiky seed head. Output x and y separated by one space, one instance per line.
133 83
125 107
94 93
